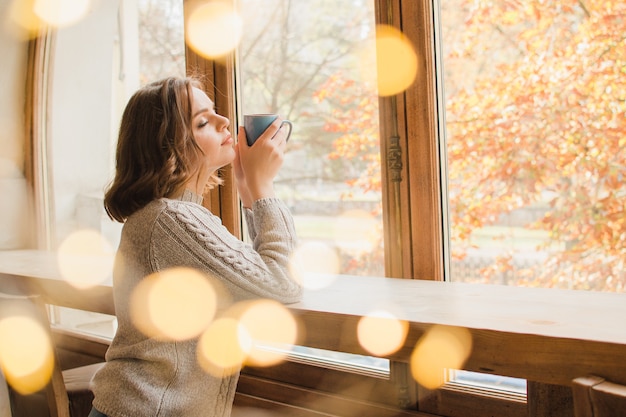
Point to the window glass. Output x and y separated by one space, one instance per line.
535 102
312 63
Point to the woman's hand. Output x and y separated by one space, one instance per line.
255 167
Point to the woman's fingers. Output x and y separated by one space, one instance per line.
264 158
282 135
271 131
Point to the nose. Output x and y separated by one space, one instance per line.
223 123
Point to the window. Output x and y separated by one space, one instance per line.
534 106
304 60
314 79
318 86
301 60
535 125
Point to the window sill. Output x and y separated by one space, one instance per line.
544 335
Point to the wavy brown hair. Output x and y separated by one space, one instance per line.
156 151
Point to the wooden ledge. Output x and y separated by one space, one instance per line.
38 272
543 335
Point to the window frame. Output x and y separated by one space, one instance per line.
222 74
36 165
412 197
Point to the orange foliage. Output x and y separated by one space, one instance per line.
354 117
546 122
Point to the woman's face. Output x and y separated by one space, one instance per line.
211 132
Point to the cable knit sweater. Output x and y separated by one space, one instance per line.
144 377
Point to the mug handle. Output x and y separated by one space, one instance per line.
287 122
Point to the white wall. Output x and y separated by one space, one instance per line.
86 68
80 110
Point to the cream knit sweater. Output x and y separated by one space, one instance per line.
144 377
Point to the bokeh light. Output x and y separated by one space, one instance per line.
21 20
223 347
272 329
396 61
61 12
174 304
213 28
439 349
315 265
25 18
85 258
26 353
381 333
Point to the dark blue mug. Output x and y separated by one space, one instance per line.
256 124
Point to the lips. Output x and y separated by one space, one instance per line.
228 140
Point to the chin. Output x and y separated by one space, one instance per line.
228 161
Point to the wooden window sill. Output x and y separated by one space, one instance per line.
544 335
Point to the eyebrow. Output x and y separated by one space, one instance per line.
199 111
202 110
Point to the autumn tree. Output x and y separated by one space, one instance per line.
548 125
540 121
353 118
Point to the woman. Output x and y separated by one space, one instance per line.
171 143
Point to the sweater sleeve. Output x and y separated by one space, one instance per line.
187 234
249 215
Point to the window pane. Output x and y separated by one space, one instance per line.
535 103
304 60
491 382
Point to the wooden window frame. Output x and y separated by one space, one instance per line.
266 387
410 153
37 167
